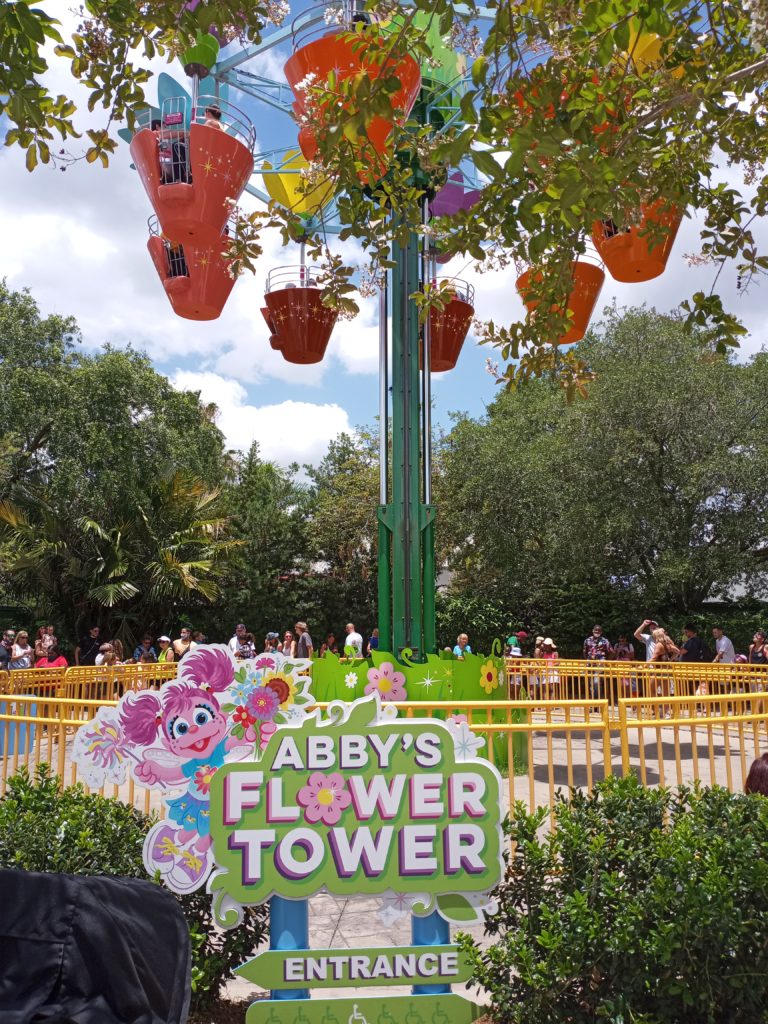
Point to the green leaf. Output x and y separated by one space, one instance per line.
485 163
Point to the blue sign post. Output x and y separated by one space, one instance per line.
432 930
289 930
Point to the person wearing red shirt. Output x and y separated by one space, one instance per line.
52 659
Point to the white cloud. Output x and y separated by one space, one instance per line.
356 342
289 431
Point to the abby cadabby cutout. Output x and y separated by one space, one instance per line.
177 738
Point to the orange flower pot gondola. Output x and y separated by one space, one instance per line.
631 254
192 172
449 326
343 53
196 280
587 281
300 325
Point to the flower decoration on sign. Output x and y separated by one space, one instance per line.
384 680
323 798
243 717
241 691
263 703
203 777
268 690
465 742
283 686
489 677
351 680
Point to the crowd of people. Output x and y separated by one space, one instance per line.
96 648
18 651
653 644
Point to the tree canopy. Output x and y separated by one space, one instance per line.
650 498
575 113
119 501
110 478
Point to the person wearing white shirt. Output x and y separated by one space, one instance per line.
238 638
353 640
647 637
725 652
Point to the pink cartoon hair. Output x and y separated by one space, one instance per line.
140 717
211 668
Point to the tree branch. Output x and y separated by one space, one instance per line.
683 100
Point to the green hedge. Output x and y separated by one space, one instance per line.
641 907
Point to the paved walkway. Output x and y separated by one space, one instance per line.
339 923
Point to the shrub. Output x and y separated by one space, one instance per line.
44 828
642 906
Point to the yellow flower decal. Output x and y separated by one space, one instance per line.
283 686
489 677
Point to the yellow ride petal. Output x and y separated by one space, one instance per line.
645 51
284 187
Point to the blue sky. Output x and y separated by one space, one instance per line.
77 239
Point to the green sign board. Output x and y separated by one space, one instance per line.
344 968
360 802
442 1009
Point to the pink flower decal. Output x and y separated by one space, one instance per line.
456 719
385 681
263 704
203 777
324 798
265 663
266 729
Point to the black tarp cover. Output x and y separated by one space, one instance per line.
91 950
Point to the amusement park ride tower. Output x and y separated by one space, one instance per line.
189 167
195 154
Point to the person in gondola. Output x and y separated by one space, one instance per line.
213 118
177 262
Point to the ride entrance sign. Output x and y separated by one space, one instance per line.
268 798
337 968
352 802
360 803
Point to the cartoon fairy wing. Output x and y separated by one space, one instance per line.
240 753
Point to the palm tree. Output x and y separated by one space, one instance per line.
168 550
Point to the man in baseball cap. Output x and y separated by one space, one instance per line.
644 633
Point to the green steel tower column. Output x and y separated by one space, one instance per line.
406 519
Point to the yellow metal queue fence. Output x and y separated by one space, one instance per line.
550 742
537 749
100 682
613 681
